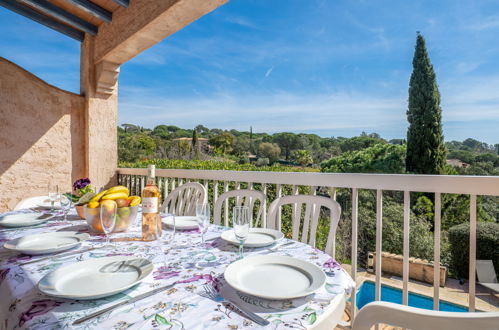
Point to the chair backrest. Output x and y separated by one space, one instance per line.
31 202
182 200
312 205
244 197
485 271
418 318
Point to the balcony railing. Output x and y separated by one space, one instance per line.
473 186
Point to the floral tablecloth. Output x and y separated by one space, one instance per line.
190 304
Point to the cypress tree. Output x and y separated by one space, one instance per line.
426 153
195 144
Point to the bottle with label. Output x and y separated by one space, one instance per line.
151 221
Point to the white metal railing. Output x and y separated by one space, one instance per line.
168 179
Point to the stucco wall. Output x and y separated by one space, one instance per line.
42 136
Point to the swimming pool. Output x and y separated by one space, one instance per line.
365 295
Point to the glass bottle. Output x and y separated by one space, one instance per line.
151 221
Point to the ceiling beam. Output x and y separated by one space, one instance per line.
122 3
93 9
49 9
144 24
26 11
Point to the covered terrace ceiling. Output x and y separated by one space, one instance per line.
73 18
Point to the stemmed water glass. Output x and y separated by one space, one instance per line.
108 219
53 191
65 205
241 223
167 236
203 218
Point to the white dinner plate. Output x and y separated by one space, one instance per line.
23 219
275 277
46 243
95 278
181 223
257 237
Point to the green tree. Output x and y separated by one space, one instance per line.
380 158
287 142
302 157
269 150
426 151
223 142
195 144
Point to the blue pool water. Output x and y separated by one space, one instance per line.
365 295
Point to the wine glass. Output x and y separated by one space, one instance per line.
167 236
65 203
241 223
203 218
53 191
108 219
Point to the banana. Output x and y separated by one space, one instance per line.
93 205
97 197
115 196
135 200
118 189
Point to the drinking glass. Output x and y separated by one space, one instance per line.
65 205
166 237
203 218
241 223
53 191
108 219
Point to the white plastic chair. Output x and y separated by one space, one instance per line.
313 205
486 274
182 200
31 202
244 197
422 319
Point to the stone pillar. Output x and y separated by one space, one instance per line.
98 83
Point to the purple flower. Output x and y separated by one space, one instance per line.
38 307
331 263
163 273
81 183
198 277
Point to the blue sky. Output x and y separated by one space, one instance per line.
335 68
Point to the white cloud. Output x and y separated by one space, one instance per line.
484 23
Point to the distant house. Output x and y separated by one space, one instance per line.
457 163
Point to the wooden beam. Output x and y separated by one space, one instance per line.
93 9
52 10
145 23
122 3
26 11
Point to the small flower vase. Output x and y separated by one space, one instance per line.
79 210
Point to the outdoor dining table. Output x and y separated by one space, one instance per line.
193 266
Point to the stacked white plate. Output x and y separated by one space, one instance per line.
23 219
95 278
275 277
46 243
47 205
257 237
181 223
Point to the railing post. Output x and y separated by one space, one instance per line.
226 205
472 253
436 252
264 206
406 241
355 216
379 242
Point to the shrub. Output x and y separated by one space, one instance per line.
487 246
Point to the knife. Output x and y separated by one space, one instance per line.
246 312
125 302
57 255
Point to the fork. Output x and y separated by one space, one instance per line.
211 293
